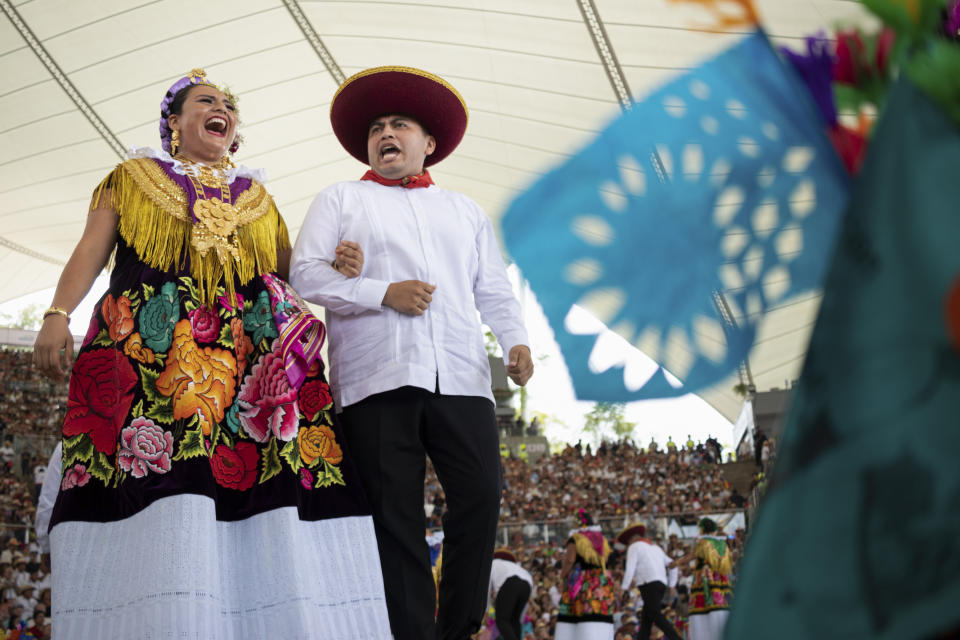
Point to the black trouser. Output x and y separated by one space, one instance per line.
389 436
511 599
652 594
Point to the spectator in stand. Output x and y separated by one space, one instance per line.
628 628
647 566
39 471
7 453
510 588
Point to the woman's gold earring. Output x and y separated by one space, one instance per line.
174 142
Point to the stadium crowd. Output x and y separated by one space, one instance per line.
615 482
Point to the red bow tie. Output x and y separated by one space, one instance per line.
410 182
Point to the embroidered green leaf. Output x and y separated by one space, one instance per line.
103 339
137 409
271 461
329 475
189 305
100 467
161 412
187 285
76 449
226 336
291 453
192 445
148 292
148 380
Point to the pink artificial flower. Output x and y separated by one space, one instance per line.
145 447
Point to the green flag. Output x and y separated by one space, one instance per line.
859 536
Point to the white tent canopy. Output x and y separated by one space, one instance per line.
82 81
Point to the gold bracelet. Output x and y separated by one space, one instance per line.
54 310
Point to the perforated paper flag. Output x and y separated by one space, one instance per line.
720 181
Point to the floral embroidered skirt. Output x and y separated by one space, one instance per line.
205 489
585 611
710 597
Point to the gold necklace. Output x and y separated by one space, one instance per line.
217 218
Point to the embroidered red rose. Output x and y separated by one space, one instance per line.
101 393
314 397
268 405
235 468
205 324
145 446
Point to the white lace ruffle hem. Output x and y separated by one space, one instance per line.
174 571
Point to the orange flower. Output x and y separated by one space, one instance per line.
242 344
133 348
201 380
318 442
117 317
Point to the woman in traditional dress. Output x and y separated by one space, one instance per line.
710 592
205 492
586 604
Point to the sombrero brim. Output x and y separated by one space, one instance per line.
635 529
427 98
504 555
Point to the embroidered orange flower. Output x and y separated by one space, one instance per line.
201 380
242 344
117 317
134 349
318 442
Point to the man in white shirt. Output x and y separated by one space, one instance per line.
648 566
510 589
408 367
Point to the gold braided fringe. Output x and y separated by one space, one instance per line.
706 551
154 220
586 551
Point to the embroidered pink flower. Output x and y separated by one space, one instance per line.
226 302
268 405
205 324
75 476
145 447
306 478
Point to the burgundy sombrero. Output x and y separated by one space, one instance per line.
504 554
427 98
635 529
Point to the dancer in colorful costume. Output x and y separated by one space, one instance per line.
586 604
710 593
204 485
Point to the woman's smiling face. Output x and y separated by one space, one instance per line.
207 124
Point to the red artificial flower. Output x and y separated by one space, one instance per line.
235 468
884 47
851 53
101 392
952 312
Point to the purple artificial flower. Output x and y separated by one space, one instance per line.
816 69
951 25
